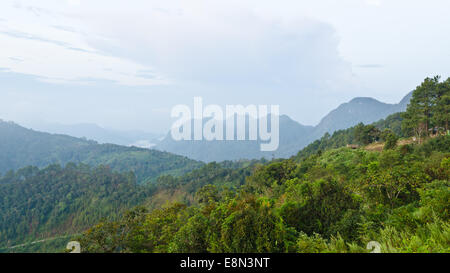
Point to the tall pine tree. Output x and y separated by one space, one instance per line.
441 113
418 118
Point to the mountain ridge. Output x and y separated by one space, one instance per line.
293 135
92 131
21 147
359 109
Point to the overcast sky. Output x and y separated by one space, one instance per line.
125 64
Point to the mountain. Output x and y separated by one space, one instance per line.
365 110
21 147
99 134
341 138
293 135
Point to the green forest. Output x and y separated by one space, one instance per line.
45 203
386 182
23 147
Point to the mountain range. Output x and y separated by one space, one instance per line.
101 135
293 135
21 147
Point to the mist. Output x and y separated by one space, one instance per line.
125 65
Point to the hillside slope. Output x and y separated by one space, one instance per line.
20 147
336 201
38 204
99 134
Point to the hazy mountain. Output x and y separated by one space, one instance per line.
102 135
365 110
20 147
293 135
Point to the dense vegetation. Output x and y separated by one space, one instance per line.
324 200
360 135
53 201
337 201
57 201
427 114
429 110
22 147
328 198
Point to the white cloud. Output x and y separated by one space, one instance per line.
74 2
52 47
307 56
222 44
376 3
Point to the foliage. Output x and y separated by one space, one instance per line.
329 198
391 141
428 111
45 203
337 201
359 134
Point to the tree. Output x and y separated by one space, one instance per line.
265 177
366 134
207 194
250 226
192 237
392 180
322 206
390 141
441 113
418 118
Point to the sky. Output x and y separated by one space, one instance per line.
125 64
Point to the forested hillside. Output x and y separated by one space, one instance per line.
334 202
330 200
21 147
57 200
358 135
97 133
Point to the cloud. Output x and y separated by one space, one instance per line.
154 43
376 3
370 66
74 2
170 51
221 45
49 46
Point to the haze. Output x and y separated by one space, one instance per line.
125 64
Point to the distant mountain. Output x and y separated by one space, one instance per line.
99 134
21 147
365 110
293 135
